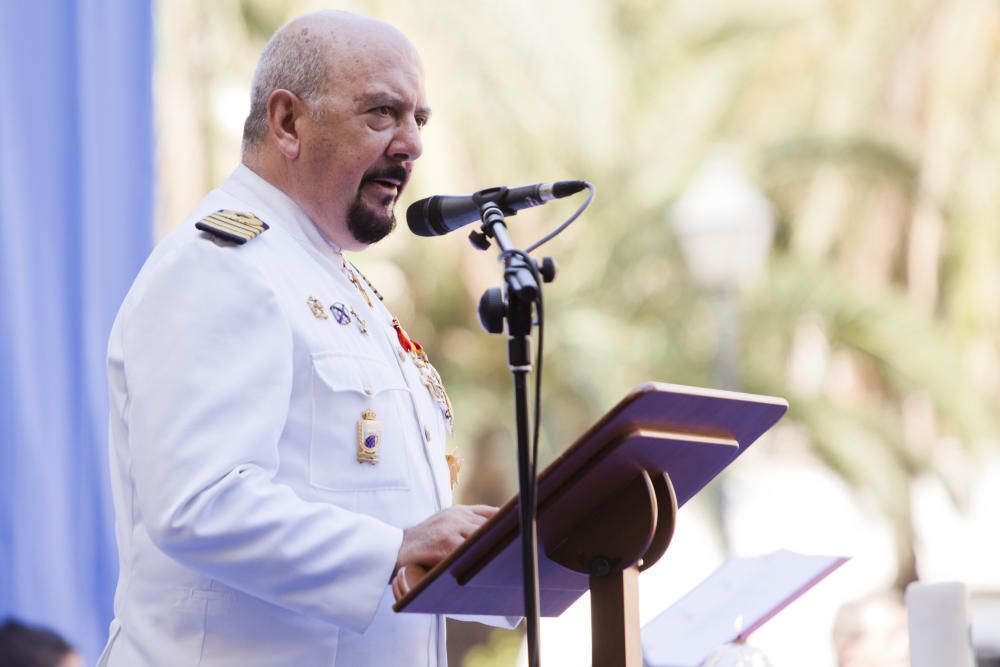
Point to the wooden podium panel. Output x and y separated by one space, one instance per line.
689 433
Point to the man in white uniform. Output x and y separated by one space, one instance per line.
277 442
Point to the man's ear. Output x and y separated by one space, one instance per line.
283 109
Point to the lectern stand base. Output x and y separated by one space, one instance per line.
614 619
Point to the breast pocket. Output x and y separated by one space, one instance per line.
346 390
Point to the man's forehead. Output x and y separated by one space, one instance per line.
364 57
373 69
351 58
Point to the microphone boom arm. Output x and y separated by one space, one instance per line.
520 279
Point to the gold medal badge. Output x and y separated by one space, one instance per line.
454 467
432 380
369 438
317 308
362 326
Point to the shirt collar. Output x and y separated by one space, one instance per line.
277 208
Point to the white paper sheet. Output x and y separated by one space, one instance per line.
732 602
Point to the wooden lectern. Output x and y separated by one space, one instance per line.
606 511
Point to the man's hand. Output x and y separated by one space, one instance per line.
431 540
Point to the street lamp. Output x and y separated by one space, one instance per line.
725 226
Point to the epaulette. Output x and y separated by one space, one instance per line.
232 226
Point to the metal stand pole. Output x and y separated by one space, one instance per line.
521 294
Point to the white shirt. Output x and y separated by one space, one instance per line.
248 532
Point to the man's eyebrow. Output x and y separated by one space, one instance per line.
384 98
380 98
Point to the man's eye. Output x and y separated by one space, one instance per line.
384 111
421 121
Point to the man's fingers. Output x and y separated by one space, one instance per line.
433 539
473 516
485 511
474 524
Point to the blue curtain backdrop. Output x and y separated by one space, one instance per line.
76 175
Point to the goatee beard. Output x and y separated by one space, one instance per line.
372 224
368 225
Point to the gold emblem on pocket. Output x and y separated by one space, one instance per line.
369 438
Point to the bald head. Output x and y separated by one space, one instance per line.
310 55
337 108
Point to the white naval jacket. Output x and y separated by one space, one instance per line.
248 532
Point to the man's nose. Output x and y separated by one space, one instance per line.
406 145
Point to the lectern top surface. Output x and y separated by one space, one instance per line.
689 433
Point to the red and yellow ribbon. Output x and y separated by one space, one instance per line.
407 343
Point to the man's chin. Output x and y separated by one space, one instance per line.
370 224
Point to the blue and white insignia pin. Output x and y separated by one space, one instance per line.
339 312
369 437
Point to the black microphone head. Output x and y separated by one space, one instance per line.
439 215
419 215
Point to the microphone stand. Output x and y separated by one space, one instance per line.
521 295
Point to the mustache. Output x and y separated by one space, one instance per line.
396 172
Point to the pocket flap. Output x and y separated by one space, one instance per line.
364 375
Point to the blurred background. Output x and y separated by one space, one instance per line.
795 197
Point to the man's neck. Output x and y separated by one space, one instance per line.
276 172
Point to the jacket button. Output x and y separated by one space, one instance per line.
427 433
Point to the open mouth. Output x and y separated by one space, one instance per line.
389 186
388 181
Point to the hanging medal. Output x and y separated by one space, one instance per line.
352 276
428 374
362 326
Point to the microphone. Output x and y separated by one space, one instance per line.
434 216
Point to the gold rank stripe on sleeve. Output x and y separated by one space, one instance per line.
232 226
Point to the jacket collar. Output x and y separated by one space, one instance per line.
276 208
